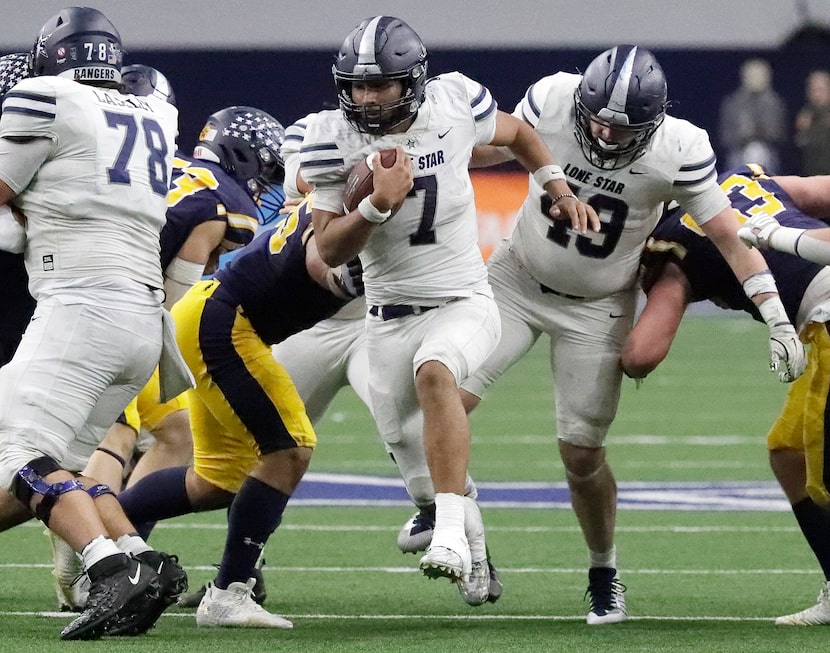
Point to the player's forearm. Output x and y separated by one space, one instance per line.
340 239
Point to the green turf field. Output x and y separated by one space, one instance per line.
697 580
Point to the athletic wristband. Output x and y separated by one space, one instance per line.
785 239
759 283
772 310
371 213
812 249
548 173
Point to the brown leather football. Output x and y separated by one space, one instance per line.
361 180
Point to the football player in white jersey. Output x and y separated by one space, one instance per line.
89 169
626 158
432 319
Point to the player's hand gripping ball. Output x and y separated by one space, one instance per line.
360 183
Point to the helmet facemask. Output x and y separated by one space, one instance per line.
379 119
624 88
609 156
266 189
381 49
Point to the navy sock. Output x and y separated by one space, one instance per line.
814 522
255 513
159 495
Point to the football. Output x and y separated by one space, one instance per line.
361 180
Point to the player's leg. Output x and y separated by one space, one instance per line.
73 351
254 400
586 341
169 425
458 338
797 442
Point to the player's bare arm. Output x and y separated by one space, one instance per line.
529 149
810 194
650 339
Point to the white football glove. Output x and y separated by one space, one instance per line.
756 231
787 356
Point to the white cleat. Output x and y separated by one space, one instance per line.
475 587
443 561
235 607
71 582
815 615
416 533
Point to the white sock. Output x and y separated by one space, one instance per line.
101 547
449 513
132 545
474 528
608 559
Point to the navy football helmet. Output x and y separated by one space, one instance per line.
246 142
79 43
139 79
625 87
381 48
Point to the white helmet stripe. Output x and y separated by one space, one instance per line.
619 94
366 52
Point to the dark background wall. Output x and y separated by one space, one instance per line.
292 83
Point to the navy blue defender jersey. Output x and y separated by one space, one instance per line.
678 239
200 191
269 281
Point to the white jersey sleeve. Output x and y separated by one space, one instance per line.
290 153
696 186
428 252
97 204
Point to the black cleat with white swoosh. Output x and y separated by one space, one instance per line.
119 585
143 615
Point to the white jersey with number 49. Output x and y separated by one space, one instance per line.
678 165
97 204
428 251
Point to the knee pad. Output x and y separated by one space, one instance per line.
29 481
99 489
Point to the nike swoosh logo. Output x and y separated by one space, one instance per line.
445 133
134 581
616 316
634 171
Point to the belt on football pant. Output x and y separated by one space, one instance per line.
551 291
394 311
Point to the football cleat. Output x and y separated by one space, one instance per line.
815 615
607 600
259 592
416 533
172 582
483 585
71 581
120 587
235 607
496 586
447 562
475 586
